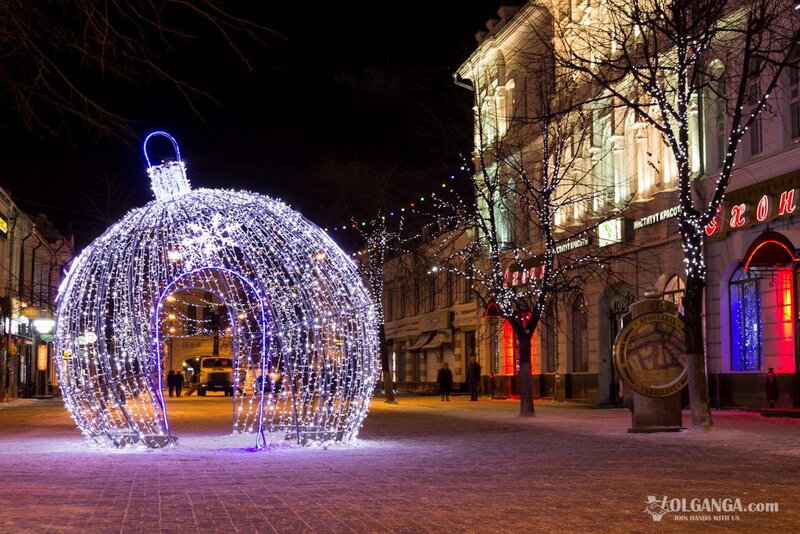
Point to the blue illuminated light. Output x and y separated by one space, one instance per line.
745 299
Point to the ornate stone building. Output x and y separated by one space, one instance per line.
751 315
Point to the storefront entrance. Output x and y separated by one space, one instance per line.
764 316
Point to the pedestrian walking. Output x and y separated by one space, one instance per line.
171 382
178 384
474 379
445 380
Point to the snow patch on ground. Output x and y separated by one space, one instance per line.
17 403
225 441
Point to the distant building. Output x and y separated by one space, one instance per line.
194 324
33 258
431 317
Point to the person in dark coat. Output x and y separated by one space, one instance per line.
445 380
474 378
178 384
171 382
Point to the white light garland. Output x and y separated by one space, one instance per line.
301 324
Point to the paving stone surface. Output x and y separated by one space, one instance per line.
419 466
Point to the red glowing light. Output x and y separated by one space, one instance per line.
784 325
508 350
789 256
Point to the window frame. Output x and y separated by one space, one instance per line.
580 336
738 317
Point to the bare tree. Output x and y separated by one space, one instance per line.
60 56
379 242
661 59
528 234
107 200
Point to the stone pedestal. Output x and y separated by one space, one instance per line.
656 414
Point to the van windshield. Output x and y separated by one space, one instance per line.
216 362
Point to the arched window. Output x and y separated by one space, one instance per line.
503 202
488 113
429 293
602 159
492 100
511 101
716 117
466 281
752 97
580 336
669 166
509 202
403 300
564 203
794 98
633 164
499 212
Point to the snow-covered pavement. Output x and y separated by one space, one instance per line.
419 466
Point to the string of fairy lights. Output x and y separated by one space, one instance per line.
300 323
416 206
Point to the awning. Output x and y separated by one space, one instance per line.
441 337
434 343
421 341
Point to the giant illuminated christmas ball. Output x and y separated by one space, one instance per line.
300 324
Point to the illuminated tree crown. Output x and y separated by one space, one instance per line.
303 329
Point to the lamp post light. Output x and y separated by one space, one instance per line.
44 326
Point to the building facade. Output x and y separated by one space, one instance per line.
33 257
750 308
431 318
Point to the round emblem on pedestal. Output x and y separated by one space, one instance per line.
649 354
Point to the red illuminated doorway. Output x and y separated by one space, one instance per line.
773 257
797 336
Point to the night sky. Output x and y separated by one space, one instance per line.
350 110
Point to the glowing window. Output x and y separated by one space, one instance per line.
745 302
508 350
